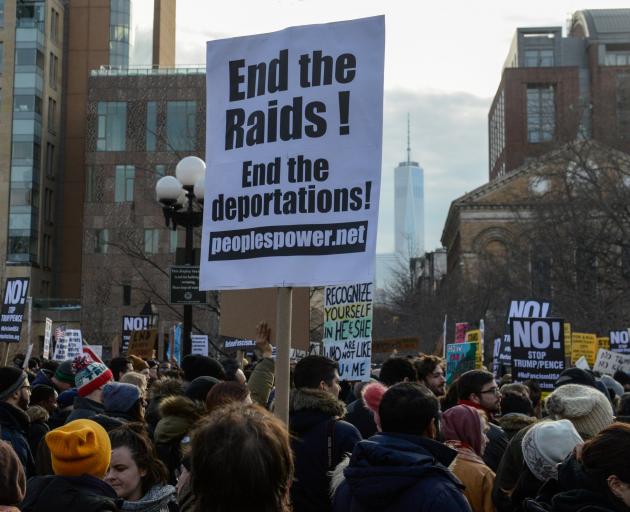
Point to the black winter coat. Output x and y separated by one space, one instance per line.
85 408
362 418
14 428
313 421
68 494
400 473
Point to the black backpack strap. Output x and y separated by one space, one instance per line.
330 443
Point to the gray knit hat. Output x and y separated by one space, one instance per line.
586 407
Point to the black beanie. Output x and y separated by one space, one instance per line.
198 389
10 380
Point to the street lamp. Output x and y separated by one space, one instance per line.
181 197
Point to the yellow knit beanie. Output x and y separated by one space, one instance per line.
78 448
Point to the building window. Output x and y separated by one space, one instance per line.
54 25
160 171
151 241
27 103
112 126
1 13
124 183
119 21
126 295
29 60
48 205
101 239
50 160
180 125
52 115
538 58
173 241
47 251
541 113
151 125
53 70
623 105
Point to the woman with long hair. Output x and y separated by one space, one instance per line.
137 474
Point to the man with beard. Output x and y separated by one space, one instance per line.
15 392
430 370
478 389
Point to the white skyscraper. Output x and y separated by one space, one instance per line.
409 207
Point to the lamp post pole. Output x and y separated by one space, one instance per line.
190 260
178 195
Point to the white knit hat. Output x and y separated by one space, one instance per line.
547 444
587 408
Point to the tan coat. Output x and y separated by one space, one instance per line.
477 477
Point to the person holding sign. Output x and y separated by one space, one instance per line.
320 437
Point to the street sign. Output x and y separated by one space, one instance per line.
185 285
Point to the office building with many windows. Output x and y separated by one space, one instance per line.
557 88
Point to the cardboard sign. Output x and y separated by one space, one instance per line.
47 338
348 329
620 341
603 342
199 344
460 358
294 124
568 344
583 344
582 364
12 313
608 362
243 310
142 343
131 323
537 350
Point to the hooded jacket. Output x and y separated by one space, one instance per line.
574 491
39 426
160 498
68 494
85 408
399 473
14 428
314 420
179 414
512 422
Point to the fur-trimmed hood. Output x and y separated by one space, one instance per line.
166 387
306 399
515 421
179 414
37 414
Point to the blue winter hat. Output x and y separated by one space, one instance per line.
66 398
120 397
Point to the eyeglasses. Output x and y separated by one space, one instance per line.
494 391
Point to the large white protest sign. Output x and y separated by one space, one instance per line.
348 329
293 154
537 350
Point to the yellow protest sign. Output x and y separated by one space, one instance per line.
567 340
603 342
475 337
583 344
142 343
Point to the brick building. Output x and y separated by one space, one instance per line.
140 123
556 89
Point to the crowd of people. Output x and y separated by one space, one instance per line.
144 435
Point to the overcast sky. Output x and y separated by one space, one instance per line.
442 65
